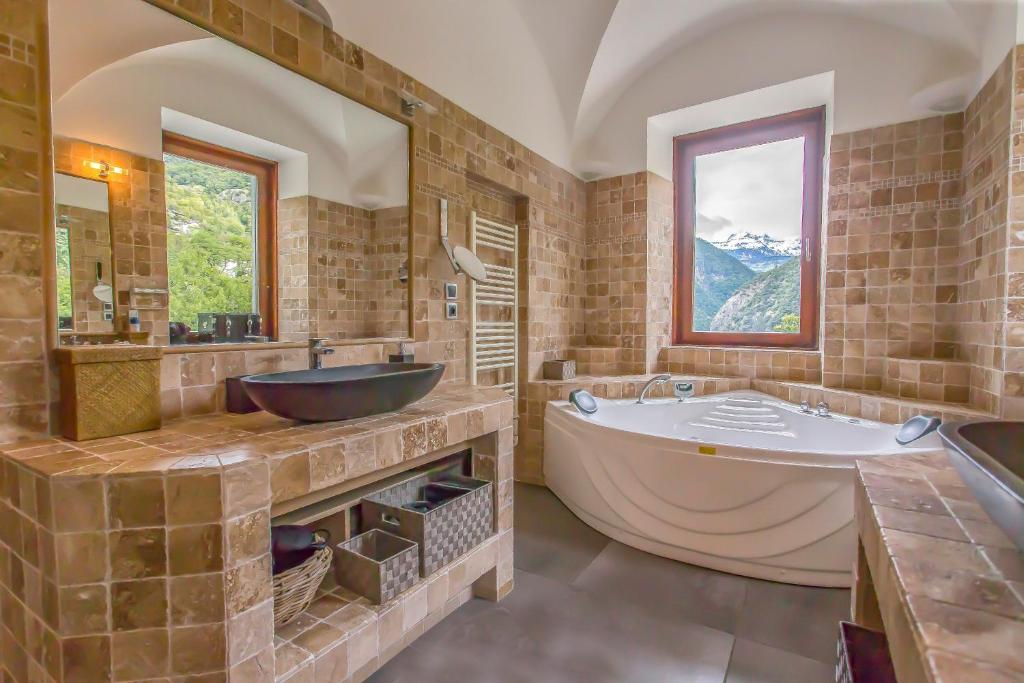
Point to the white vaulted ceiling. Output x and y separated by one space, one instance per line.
575 80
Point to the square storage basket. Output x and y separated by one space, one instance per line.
377 565
862 656
451 529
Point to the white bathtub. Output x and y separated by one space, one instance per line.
739 482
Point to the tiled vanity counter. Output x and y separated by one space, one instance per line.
147 556
937 575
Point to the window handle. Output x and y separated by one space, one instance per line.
807 248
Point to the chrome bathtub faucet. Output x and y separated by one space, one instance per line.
658 379
317 351
823 410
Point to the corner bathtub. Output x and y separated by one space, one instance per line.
740 482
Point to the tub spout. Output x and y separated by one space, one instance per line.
658 379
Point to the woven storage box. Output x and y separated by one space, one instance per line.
559 369
377 565
295 588
449 530
862 656
108 390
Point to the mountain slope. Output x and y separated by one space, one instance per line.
717 276
762 302
759 252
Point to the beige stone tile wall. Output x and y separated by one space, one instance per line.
554 271
1012 390
891 248
138 221
931 380
338 270
89 243
629 267
293 269
983 241
660 266
24 213
799 366
386 253
616 267
192 383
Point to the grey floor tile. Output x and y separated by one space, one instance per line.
546 631
756 663
585 608
549 539
798 619
664 588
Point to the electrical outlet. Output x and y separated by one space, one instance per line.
451 310
451 291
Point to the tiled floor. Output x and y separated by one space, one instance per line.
586 608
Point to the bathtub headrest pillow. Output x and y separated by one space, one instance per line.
584 401
916 427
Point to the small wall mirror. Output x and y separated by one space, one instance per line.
249 203
83 250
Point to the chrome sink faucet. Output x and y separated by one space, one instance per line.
657 379
317 351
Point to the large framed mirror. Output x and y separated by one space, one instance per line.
246 202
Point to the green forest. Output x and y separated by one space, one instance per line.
210 248
63 241
730 297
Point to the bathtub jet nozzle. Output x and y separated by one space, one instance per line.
682 390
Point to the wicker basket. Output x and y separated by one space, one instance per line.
295 588
443 533
377 565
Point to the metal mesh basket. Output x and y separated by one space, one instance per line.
377 565
449 530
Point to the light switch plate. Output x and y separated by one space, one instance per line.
451 291
451 310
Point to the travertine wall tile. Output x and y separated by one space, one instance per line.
891 248
24 214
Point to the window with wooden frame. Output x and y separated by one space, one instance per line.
747 226
221 233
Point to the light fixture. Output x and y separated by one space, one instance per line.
410 103
104 169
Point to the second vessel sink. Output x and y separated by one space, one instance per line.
342 393
989 455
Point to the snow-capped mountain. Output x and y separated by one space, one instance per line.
759 252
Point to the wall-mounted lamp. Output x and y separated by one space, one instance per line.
104 169
410 103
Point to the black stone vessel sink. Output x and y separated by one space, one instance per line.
989 455
343 393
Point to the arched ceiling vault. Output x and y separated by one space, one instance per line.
549 72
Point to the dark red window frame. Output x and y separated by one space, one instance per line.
265 172
806 123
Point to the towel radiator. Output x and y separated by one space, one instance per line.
494 306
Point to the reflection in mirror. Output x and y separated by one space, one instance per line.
82 238
250 203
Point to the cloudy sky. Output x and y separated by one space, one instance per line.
752 189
